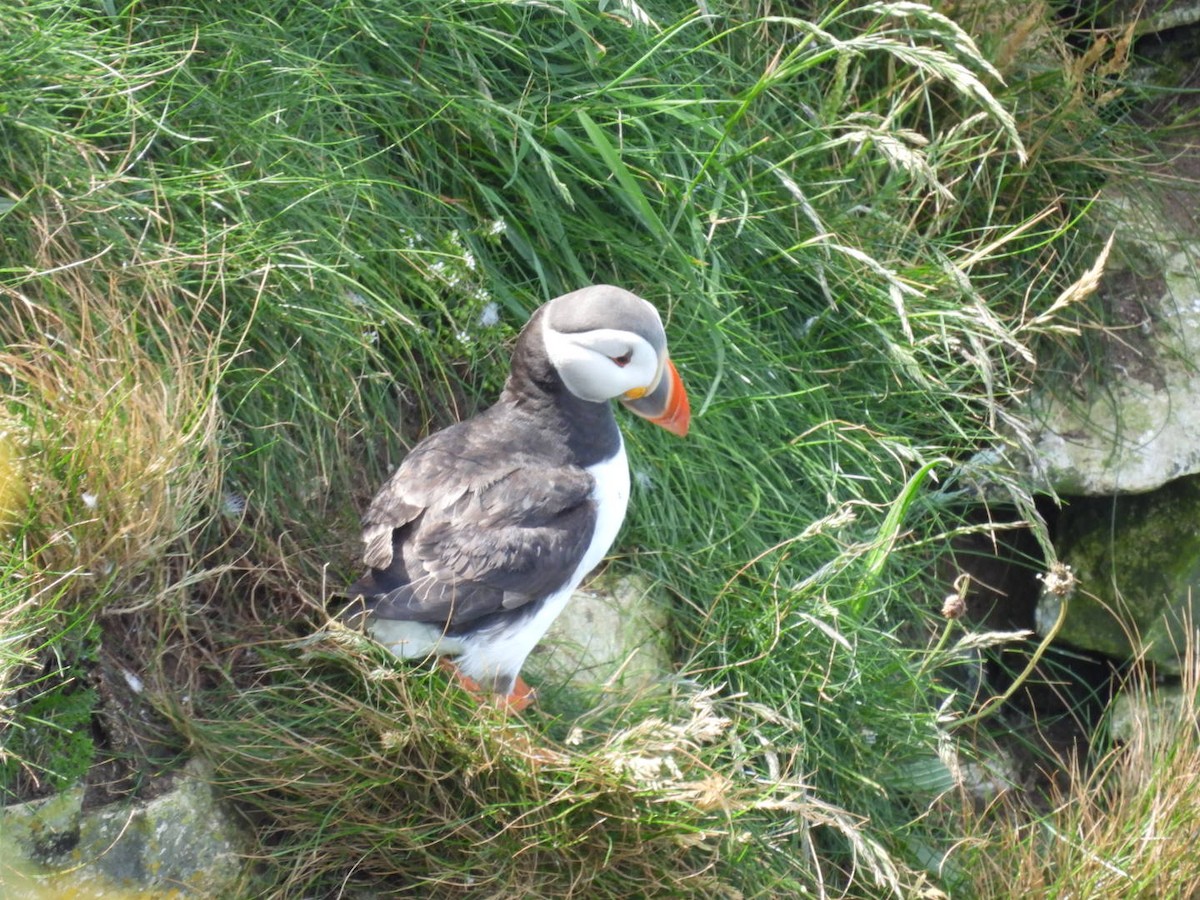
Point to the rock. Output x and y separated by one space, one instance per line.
614 631
1136 560
1133 424
1154 718
1149 16
182 843
986 779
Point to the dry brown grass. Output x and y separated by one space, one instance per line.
1123 825
110 388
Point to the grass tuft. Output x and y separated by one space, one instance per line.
415 783
1119 824
114 410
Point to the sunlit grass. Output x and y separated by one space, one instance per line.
258 250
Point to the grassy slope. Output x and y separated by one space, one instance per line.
247 252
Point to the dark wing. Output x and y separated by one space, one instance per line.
452 537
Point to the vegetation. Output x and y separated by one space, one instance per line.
253 251
1123 825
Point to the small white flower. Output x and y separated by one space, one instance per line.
89 499
497 228
490 315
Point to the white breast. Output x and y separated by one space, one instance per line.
611 496
498 654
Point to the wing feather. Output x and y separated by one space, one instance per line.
452 537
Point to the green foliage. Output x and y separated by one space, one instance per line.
47 740
319 223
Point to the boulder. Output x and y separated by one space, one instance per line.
1151 718
1149 16
182 843
613 632
1136 560
1131 423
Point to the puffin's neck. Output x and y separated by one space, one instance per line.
535 387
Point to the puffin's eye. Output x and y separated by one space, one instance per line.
624 359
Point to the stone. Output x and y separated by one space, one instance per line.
1133 423
1151 718
986 779
1136 561
614 632
182 843
1149 16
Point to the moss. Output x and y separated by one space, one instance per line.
1137 559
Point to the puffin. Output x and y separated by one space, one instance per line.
476 542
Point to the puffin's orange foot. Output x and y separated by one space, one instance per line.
521 697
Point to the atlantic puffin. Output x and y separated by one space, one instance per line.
476 542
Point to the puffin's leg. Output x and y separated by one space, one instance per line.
521 697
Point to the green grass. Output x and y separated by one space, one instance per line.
247 253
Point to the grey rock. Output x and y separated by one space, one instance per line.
1134 423
1136 560
613 632
1153 718
1150 16
184 841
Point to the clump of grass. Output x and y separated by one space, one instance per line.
13 493
111 394
1120 824
416 784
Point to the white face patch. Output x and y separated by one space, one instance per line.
601 364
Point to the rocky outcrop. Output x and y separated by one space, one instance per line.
182 843
1131 423
1123 425
1136 561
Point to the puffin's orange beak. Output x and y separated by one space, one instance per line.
665 405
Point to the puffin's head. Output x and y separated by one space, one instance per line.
606 344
